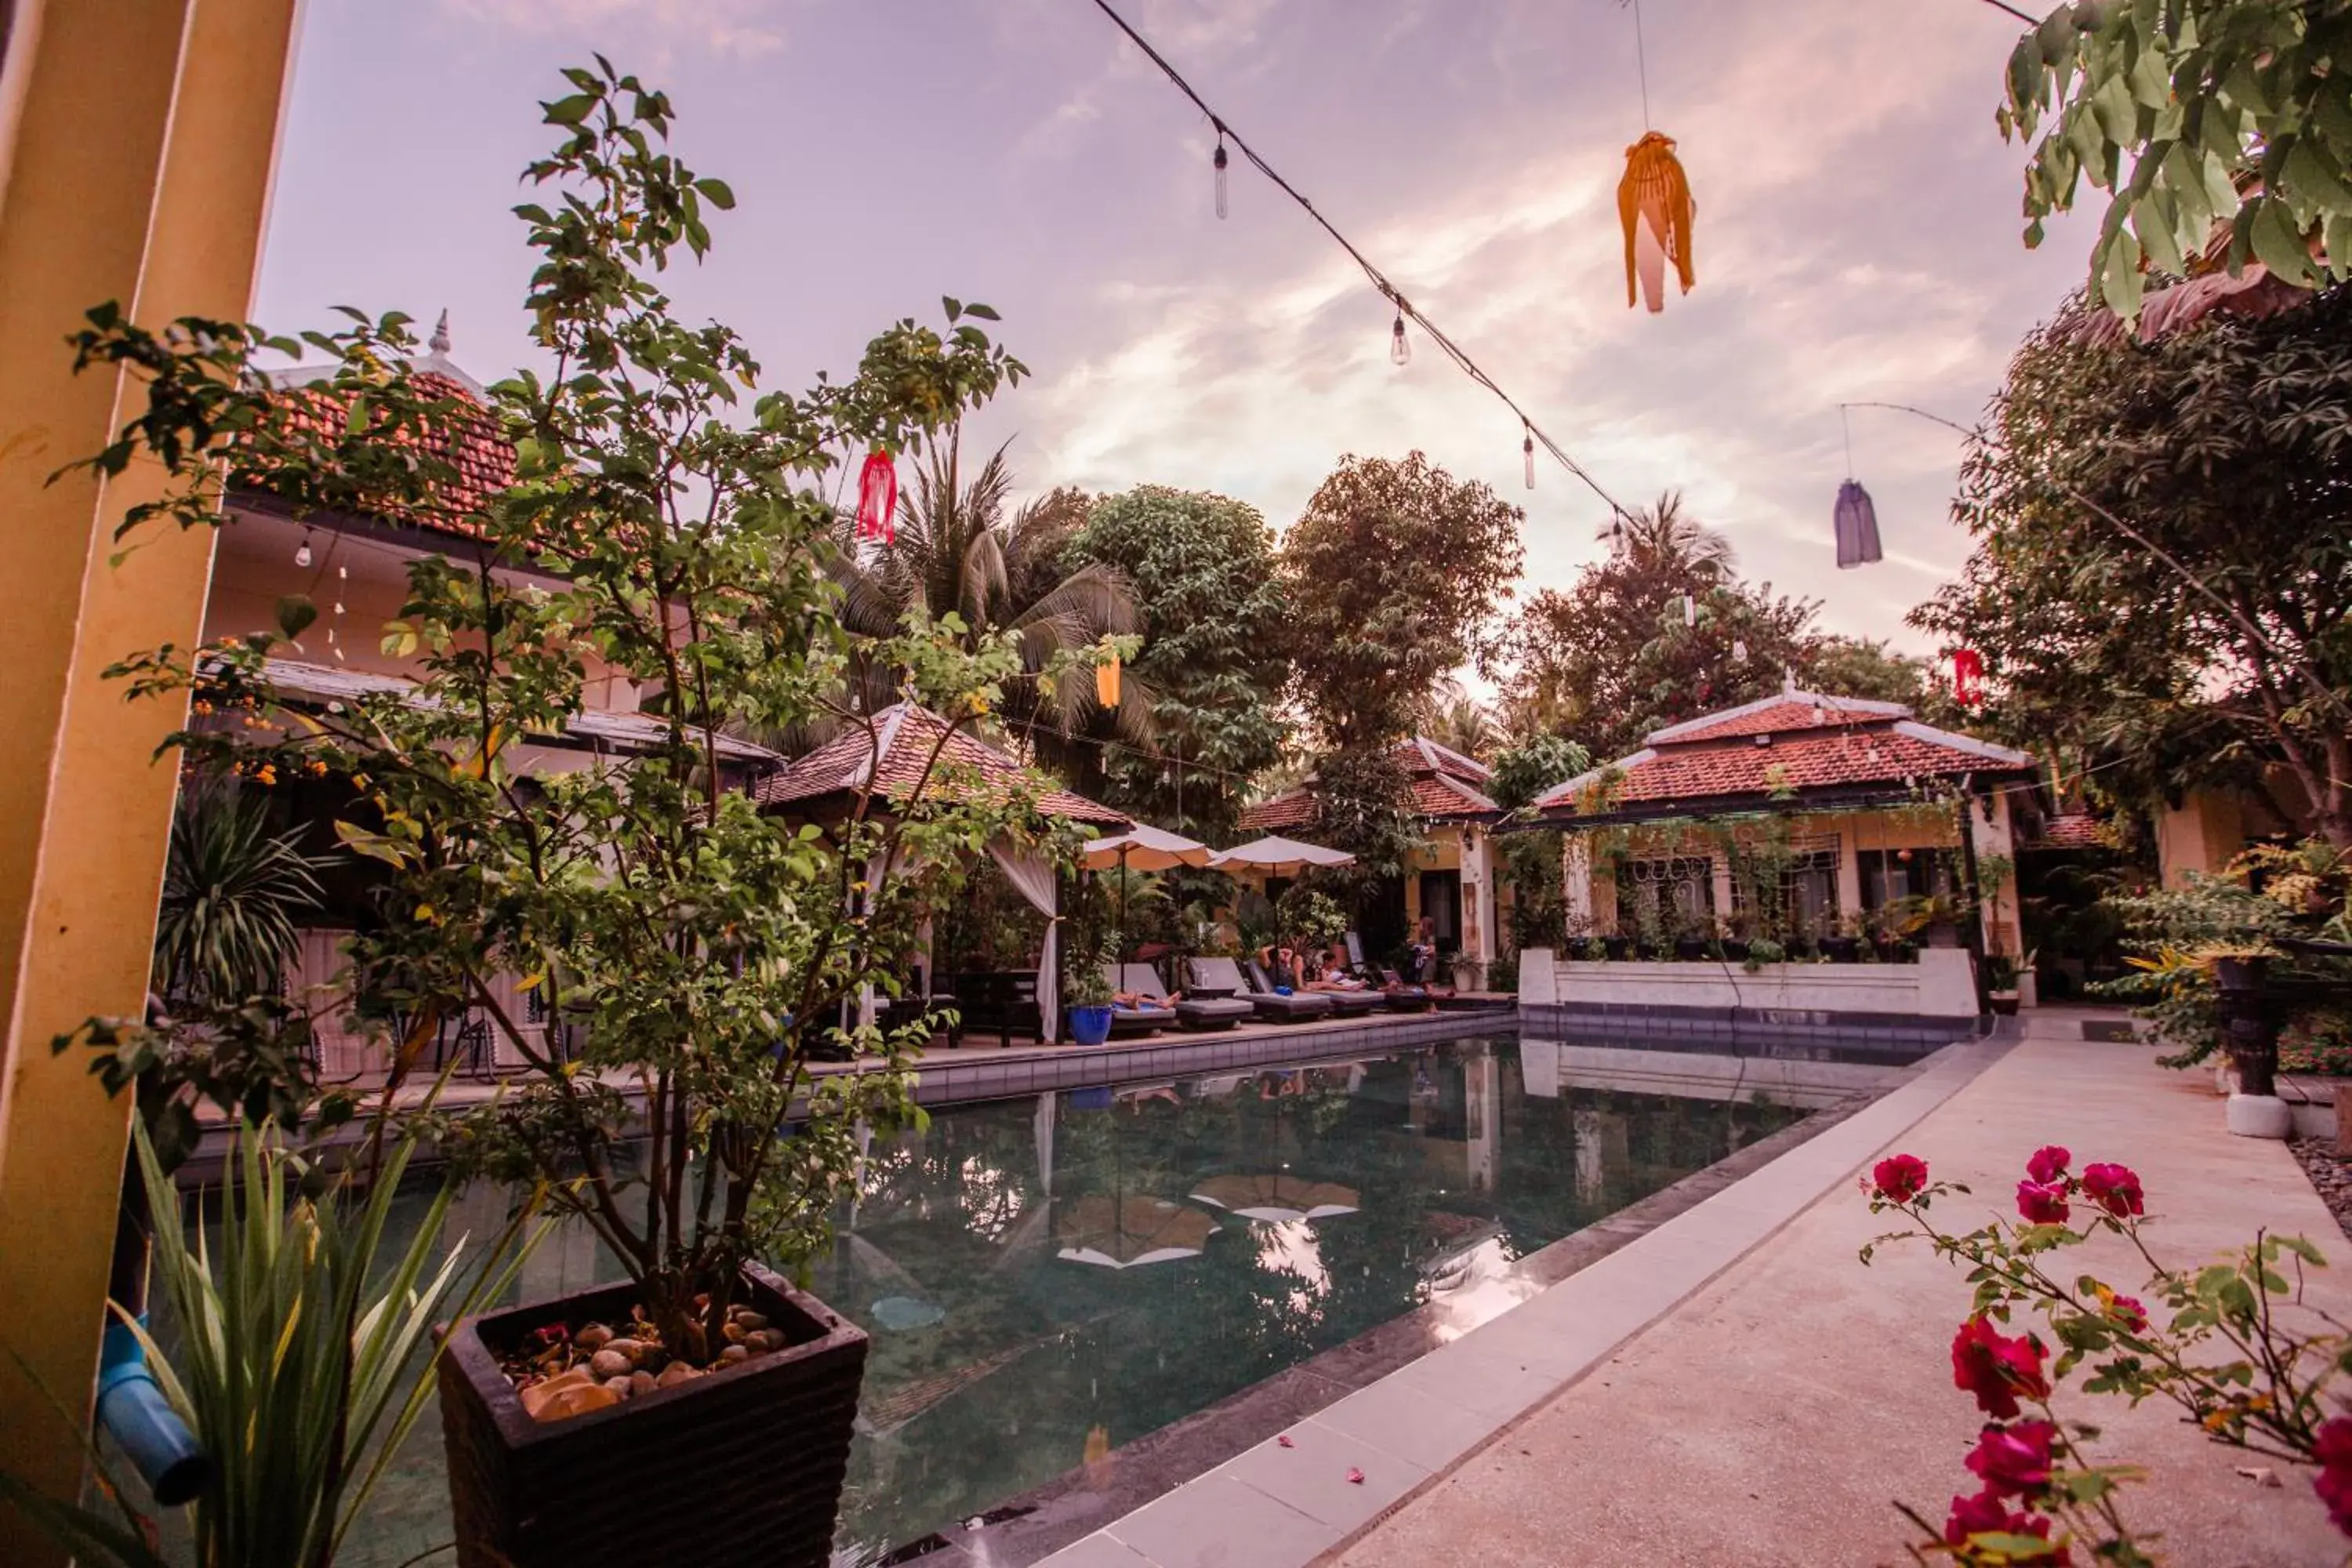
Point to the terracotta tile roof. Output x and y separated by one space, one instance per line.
1291 808
2070 830
1777 714
1422 755
905 736
1444 783
1779 744
471 440
320 684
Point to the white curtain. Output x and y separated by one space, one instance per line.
1031 876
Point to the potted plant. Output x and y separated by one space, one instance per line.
1617 947
1938 915
700 949
2000 983
1761 952
1843 943
1732 940
1088 985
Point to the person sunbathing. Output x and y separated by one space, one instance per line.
1132 1000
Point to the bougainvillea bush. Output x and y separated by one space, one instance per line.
2233 1344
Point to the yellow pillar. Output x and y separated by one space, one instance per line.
138 170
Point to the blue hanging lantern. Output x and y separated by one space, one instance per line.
1857 526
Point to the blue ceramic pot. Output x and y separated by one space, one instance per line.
1090 1026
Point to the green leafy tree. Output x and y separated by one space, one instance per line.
1868 668
1531 860
1660 631
2212 648
1392 579
2192 113
1533 766
693 948
1215 655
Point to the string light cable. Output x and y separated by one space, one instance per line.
1405 308
2236 616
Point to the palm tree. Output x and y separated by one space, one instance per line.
957 552
1450 715
1662 539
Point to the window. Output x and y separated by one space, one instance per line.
1891 876
1799 894
1671 894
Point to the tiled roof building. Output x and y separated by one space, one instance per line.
1795 747
896 756
1446 787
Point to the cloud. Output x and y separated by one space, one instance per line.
1833 264
723 28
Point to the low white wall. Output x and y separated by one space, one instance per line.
1549 1067
1940 986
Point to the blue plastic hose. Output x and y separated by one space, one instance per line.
134 1413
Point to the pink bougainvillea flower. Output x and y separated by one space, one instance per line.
1355 1477
2114 1188
2014 1460
2332 1449
1997 1368
2043 1203
1899 1178
2127 1313
1284 1438
2048 1165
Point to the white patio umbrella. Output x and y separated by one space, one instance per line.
1140 848
1128 1232
1276 1196
1278 857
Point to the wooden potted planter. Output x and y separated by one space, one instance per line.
741 1466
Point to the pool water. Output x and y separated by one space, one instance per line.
1047 1278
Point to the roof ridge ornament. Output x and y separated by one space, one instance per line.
439 342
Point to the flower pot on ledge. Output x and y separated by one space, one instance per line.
1090 1025
740 1468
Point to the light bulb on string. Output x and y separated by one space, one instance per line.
1690 610
1400 347
302 551
1527 450
1218 164
1739 650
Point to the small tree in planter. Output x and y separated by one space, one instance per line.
695 951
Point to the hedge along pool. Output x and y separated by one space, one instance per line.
1048 1278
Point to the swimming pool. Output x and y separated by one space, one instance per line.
1049 1279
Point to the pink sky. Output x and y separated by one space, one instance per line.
1857 230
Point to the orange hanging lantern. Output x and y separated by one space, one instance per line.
878 498
1107 683
1654 203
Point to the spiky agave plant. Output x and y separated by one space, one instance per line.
231 891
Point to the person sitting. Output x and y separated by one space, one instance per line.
1282 966
1327 971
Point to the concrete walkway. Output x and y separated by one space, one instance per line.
1773 1416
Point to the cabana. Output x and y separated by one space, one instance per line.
890 755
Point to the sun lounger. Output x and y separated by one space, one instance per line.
1344 1004
1395 994
1128 1019
1224 974
1187 1012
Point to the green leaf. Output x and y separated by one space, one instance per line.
986 312
571 110
718 193
952 305
295 612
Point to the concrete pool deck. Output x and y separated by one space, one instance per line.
1697 1396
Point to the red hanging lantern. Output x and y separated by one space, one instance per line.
878 498
1968 677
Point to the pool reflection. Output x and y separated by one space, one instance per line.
1048 1278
